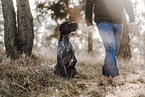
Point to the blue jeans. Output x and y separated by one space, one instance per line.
111 36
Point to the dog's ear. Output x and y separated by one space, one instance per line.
63 28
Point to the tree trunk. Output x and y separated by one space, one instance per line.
90 42
144 34
144 2
124 49
10 28
25 33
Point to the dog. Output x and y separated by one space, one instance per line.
66 59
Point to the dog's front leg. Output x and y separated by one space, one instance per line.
63 67
64 70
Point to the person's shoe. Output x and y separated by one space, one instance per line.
104 80
117 81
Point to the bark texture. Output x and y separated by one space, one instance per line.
90 42
10 28
25 33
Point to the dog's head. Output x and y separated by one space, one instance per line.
68 27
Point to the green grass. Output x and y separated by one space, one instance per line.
34 77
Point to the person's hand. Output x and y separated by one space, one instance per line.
90 28
133 27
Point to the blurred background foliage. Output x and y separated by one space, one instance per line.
49 14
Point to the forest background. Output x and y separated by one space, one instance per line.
33 76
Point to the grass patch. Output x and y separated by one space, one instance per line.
34 77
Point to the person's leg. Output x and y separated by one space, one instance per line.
118 34
110 64
116 80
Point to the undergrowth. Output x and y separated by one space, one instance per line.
27 77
